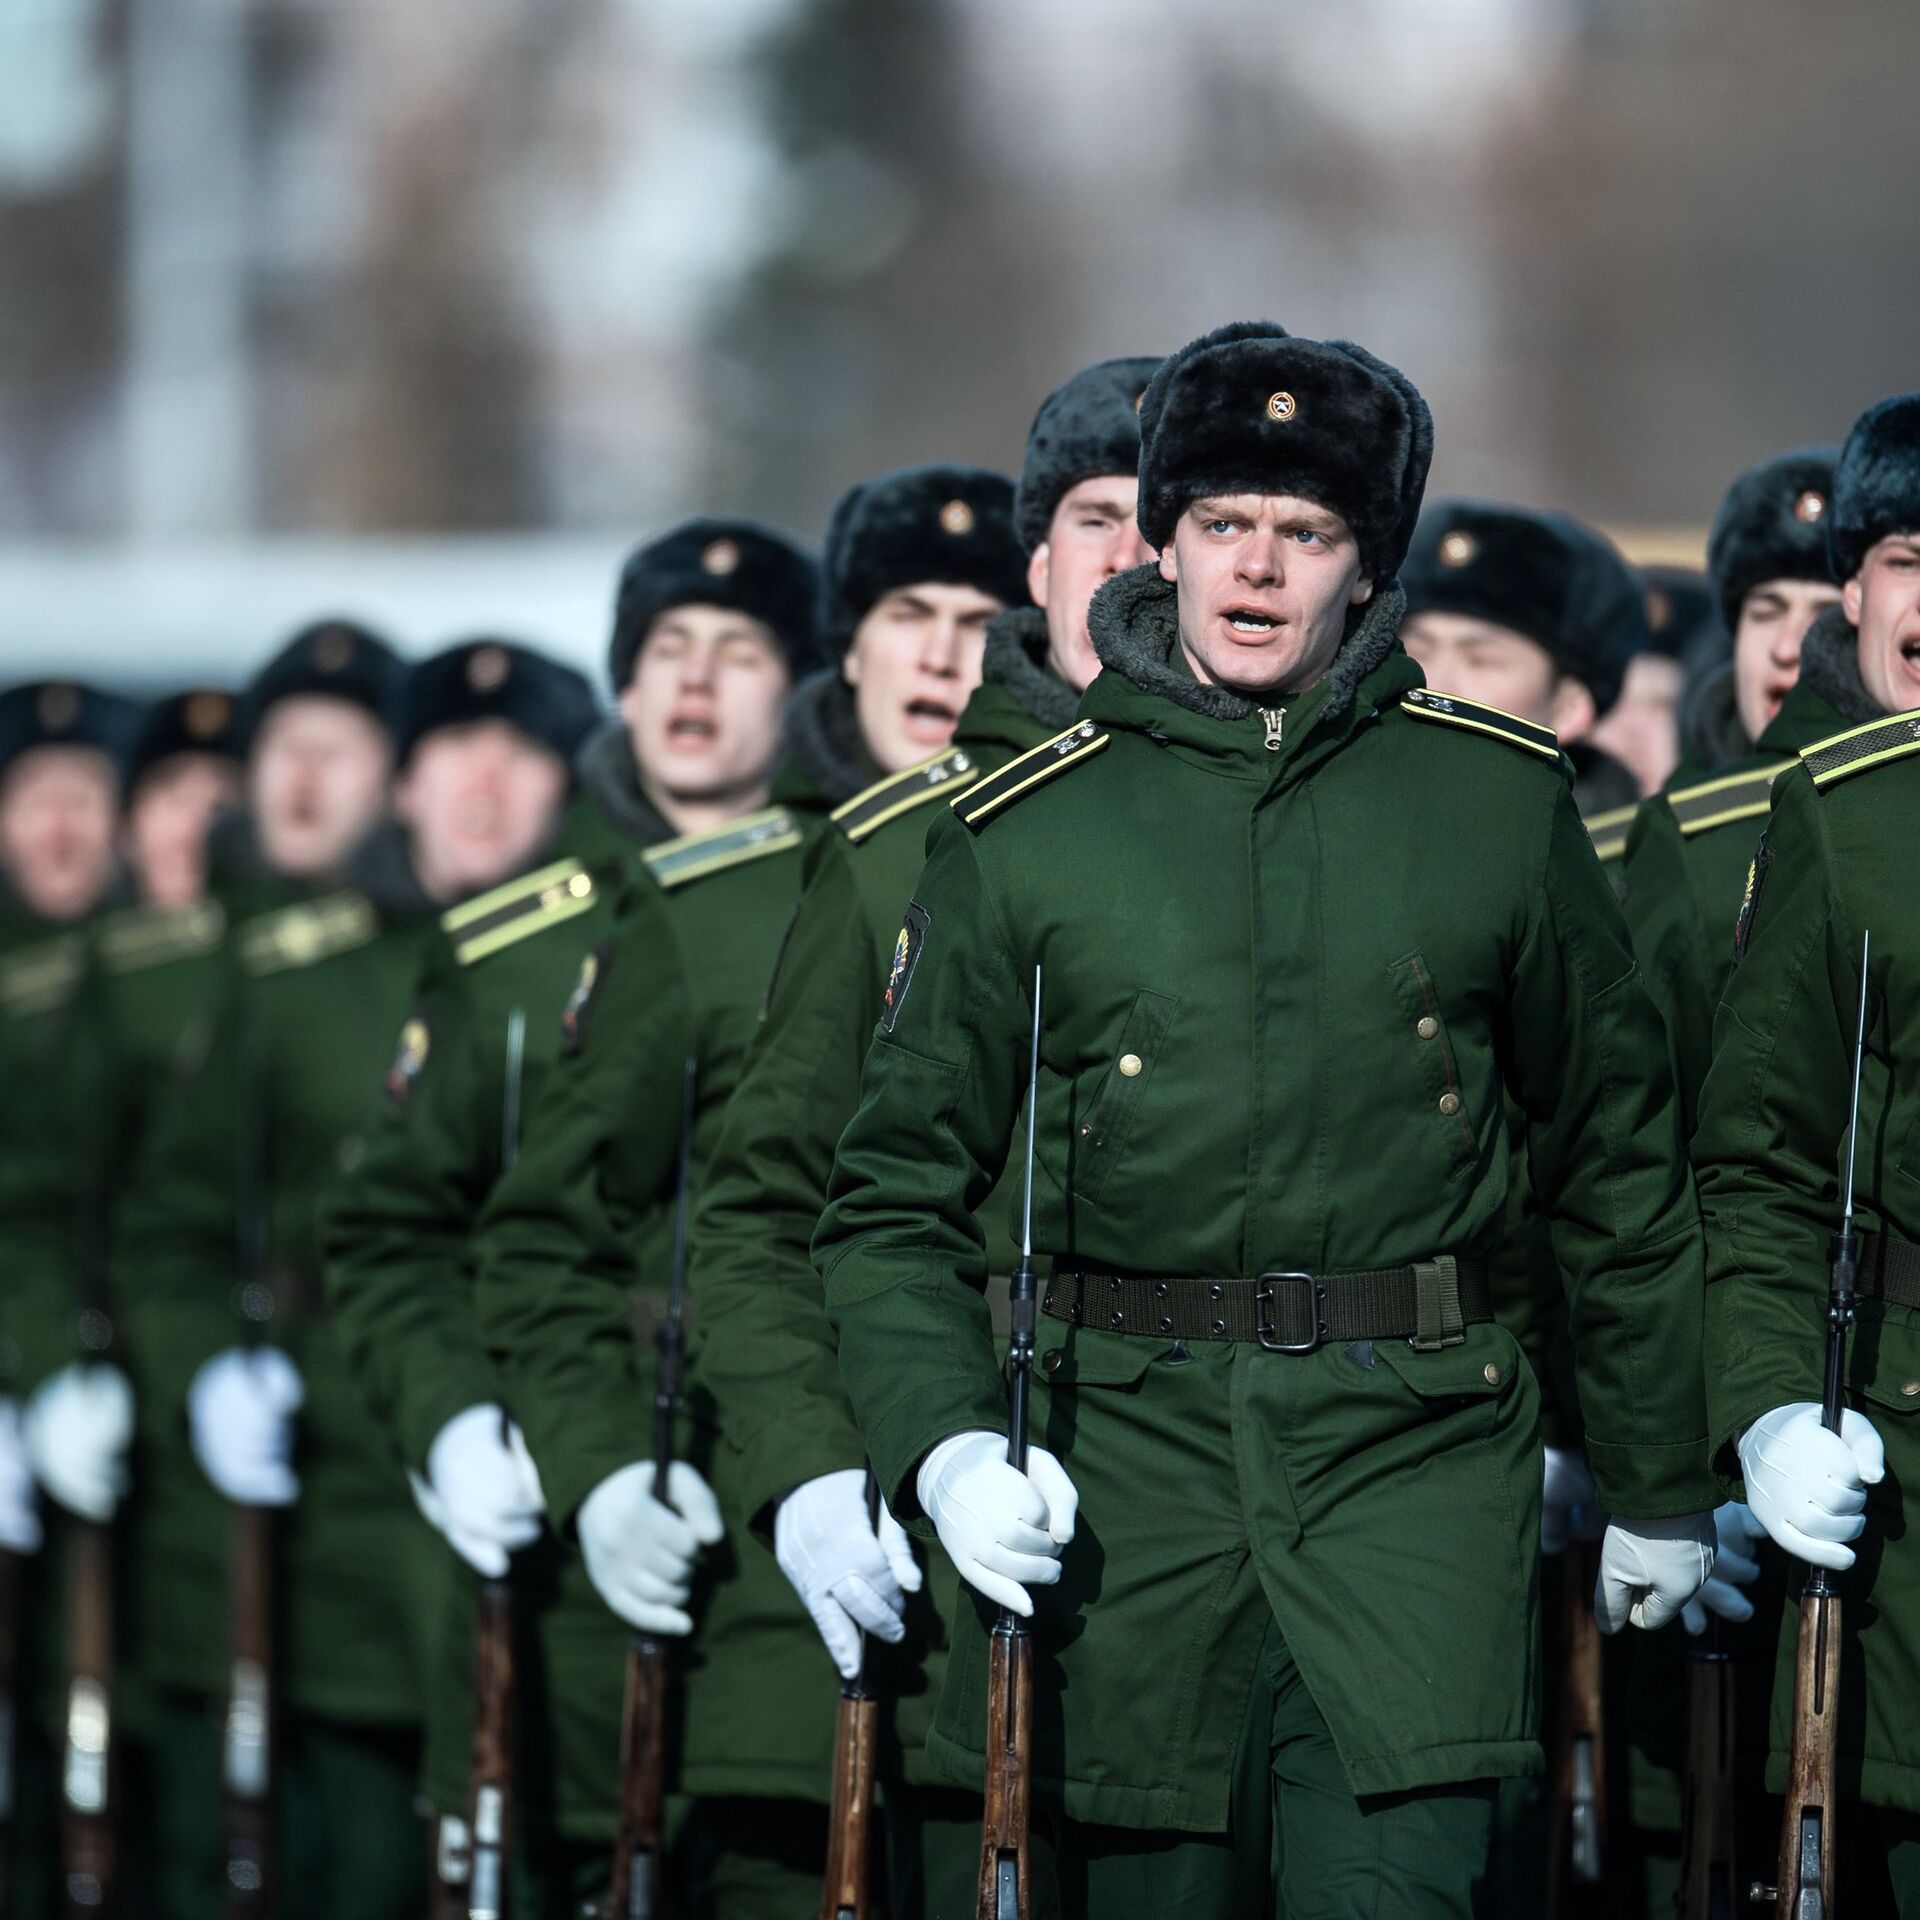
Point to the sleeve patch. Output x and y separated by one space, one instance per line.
1750 900
907 950
574 1015
409 1061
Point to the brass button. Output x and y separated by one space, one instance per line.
1427 1026
1910 1388
1053 1362
1449 1104
1491 1374
1130 1064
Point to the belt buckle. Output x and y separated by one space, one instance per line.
1264 1291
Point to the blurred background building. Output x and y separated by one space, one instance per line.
428 308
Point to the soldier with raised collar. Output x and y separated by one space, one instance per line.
275 1110
915 564
713 623
1300 923
770 1363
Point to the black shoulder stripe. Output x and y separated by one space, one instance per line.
695 855
1734 796
1449 709
1608 831
1842 755
900 793
1080 742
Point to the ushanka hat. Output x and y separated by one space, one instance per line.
1545 576
201 720
712 562
1772 526
1876 490
489 679
1250 409
64 713
336 659
1087 426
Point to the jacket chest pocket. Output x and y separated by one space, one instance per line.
1104 1119
1435 1060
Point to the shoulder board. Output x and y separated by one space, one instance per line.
695 855
1034 768
39 978
1734 796
1841 755
900 793
1452 711
314 930
149 936
1608 830
498 918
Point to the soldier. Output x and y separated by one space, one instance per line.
714 621
1835 862
286 1085
1299 923
1641 729
916 563
770 1361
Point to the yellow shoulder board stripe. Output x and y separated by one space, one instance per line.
1841 755
1450 710
1734 796
513 893
1608 830
1034 768
42 977
899 793
566 892
147 937
695 855
312 931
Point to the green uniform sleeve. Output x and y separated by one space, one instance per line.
768 1353
1666 941
899 1247
1588 1065
556 1248
1772 1120
398 1230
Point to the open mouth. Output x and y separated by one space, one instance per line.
931 719
691 730
1250 620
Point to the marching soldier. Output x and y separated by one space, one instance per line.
1834 865
713 623
1641 729
769 1359
1300 923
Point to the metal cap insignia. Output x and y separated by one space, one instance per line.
1281 406
487 669
957 517
1809 507
720 557
57 708
332 649
1457 548
205 715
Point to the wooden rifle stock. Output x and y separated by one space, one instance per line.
1578 1870
10 1584
88 1802
856 1734
247 1762
1707 1872
490 1802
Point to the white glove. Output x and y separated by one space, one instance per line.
1735 1565
488 1504
1650 1569
1808 1487
640 1554
1569 1506
999 1526
240 1411
77 1428
19 1501
849 1576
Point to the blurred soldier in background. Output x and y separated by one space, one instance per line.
1642 728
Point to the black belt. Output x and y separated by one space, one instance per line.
1430 1303
1889 1269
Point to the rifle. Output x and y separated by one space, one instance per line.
87 1799
490 1795
1578 1870
643 1717
1707 1875
10 1585
1004 1890
855 1741
1804 1888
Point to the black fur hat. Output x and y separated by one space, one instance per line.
337 658
714 562
1876 490
1248 408
487 679
947 524
1772 526
201 720
1088 426
64 713
1544 575
1683 612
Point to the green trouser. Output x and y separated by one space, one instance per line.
1299 1845
351 1841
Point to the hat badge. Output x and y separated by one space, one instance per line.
57 708
956 517
332 649
1281 406
1809 507
720 557
1659 609
1457 548
487 669
205 715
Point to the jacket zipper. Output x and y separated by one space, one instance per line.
1274 718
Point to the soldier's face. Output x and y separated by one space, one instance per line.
479 801
1774 618
316 781
1091 537
167 821
914 661
703 706
1265 582
1480 660
1883 601
1642 728
57 811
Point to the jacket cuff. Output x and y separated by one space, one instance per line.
903 1434
772 1460
1639 1481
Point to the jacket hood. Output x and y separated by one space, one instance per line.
1016 662
610 777
1830 665
826 757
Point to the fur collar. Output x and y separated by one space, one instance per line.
1132 624
382 868
824 747
1830 665
610 778
1016 662
1711 736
